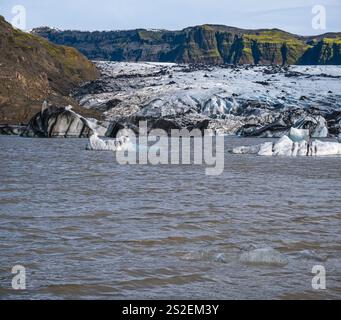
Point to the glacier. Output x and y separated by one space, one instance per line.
257 101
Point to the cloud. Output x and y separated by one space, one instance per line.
173 14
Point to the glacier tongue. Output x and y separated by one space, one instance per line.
257 101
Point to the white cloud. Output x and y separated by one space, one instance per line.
174 14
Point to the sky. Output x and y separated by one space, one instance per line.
291 15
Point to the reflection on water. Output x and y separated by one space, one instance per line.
85 227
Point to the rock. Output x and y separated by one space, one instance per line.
339 138
164 123
204 44
334 122
54 122
273 130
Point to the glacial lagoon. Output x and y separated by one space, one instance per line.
85 227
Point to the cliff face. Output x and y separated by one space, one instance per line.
325 51
210 44
32 69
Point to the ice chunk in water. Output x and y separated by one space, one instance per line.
246 150
287 147
97 144
220 257
266 256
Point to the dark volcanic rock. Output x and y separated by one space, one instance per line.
317 125
11 130
205 44
164 123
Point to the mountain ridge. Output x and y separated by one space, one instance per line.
208 44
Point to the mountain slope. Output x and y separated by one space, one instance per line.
211 44
32 69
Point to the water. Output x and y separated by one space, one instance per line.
85 227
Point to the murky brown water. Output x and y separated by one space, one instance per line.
85 227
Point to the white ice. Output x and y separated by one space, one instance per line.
97 144
297 146
267 256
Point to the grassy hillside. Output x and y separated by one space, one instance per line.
33 69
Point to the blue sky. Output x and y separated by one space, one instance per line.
291 15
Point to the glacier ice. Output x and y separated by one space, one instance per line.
266 256
97 144
231 99
287 147
298 135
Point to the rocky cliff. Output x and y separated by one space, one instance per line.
209 44
32 69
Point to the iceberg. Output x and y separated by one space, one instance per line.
97 144
287 147
265 256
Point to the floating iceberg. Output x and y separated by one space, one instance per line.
267 256
287 147
97 144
